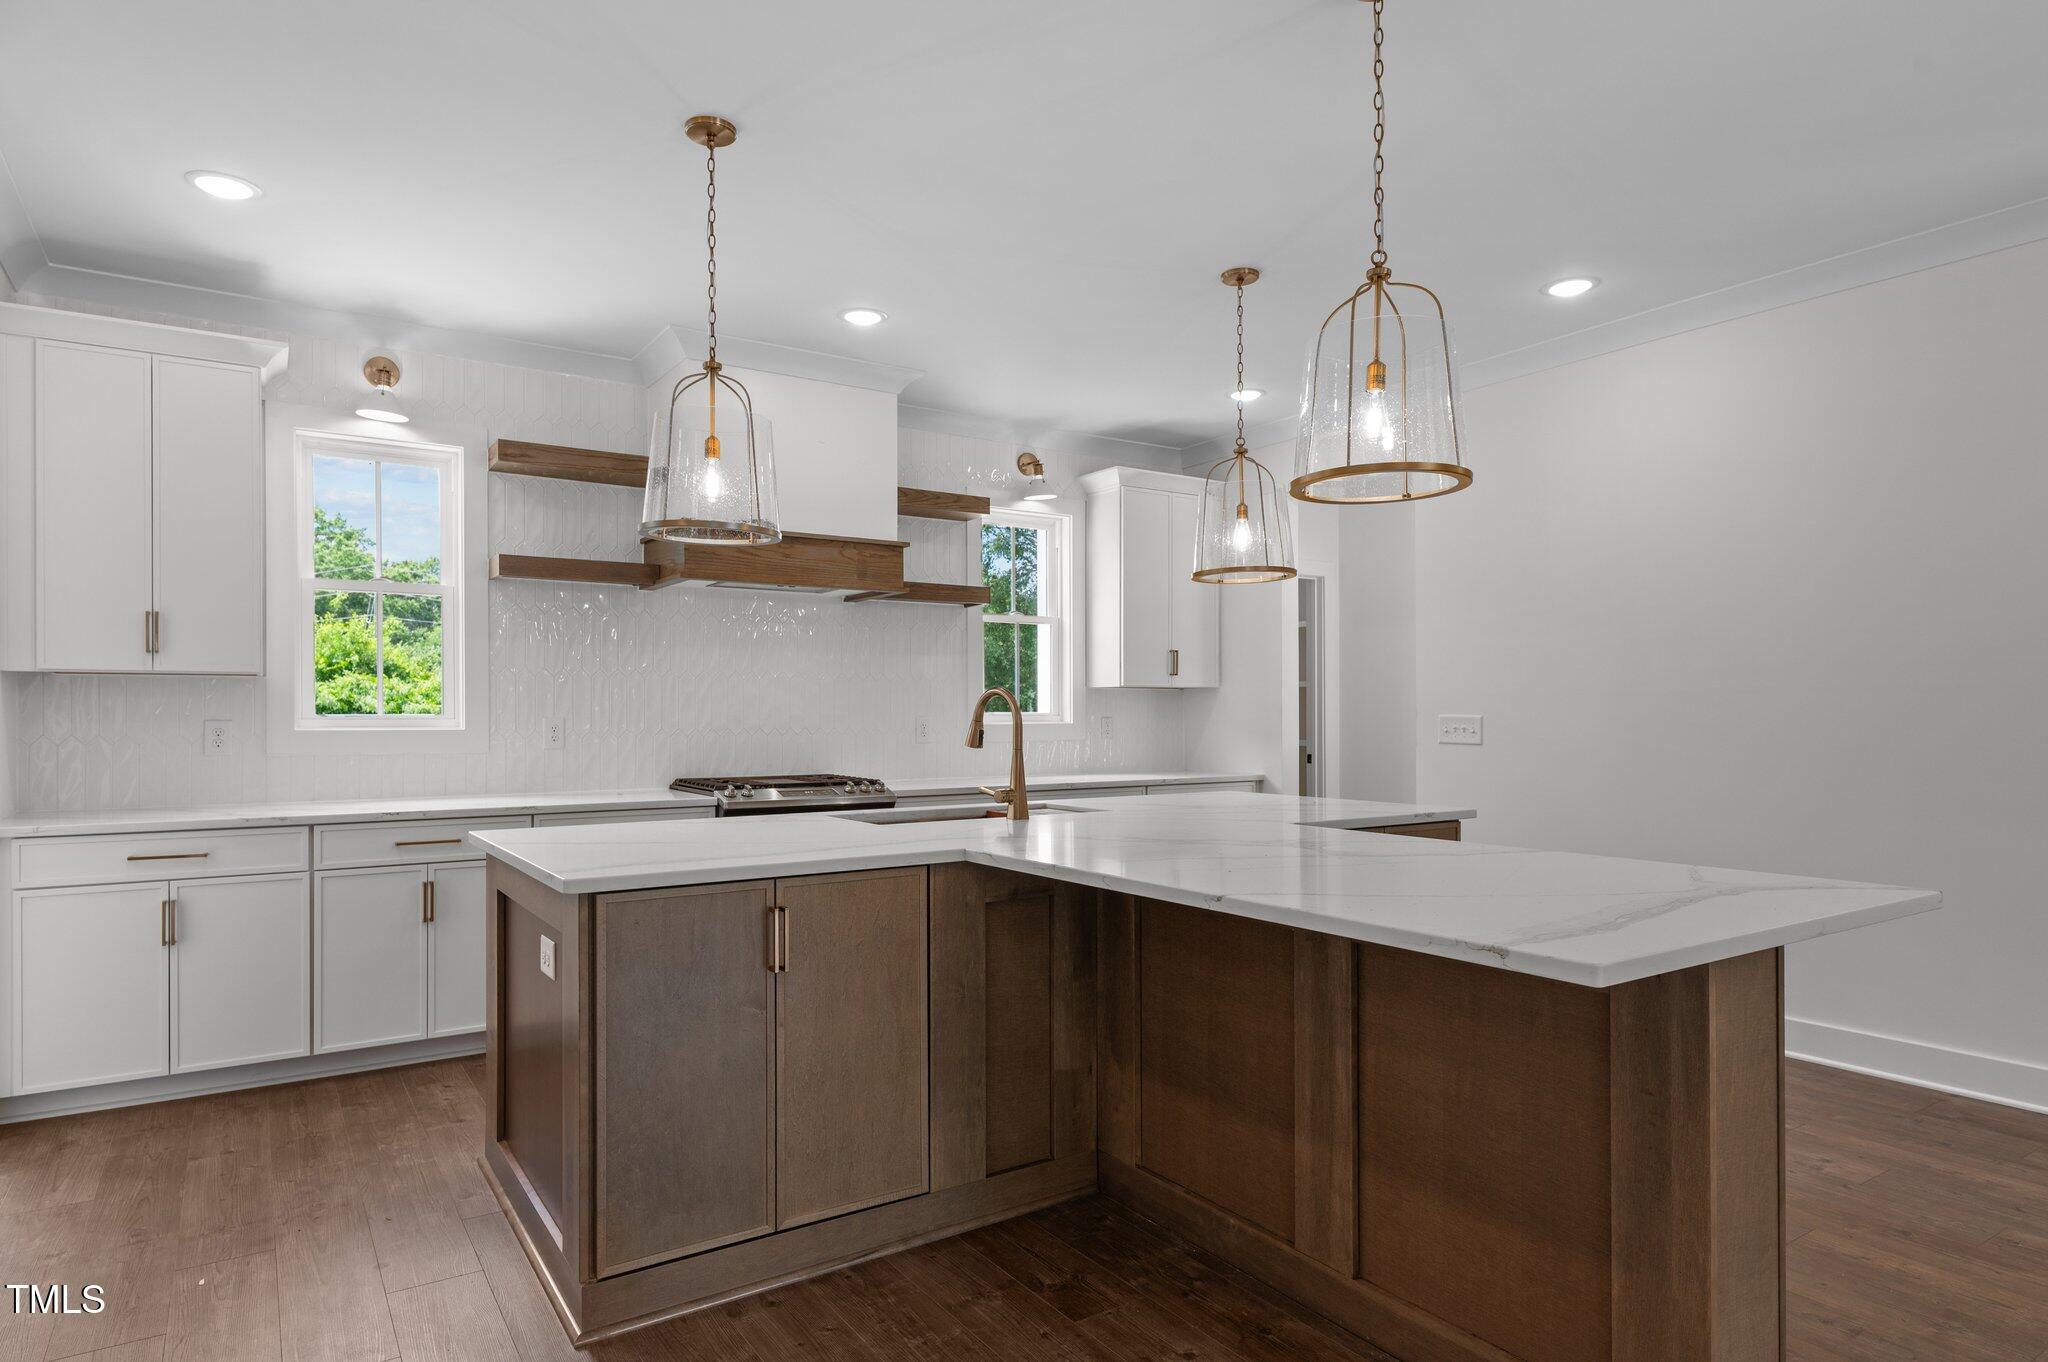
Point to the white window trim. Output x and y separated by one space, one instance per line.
1062 720
292 434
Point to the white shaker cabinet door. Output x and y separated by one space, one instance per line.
93 522
455 948
209 518
1148 533
1197 606
369 957
91 986
241 971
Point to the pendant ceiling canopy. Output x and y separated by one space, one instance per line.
710 472
1242 534
1379 404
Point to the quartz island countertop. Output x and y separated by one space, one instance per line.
1308 863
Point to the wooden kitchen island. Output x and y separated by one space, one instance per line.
1459 1146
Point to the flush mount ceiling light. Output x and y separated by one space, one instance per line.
1248 394
863 316
1033 469
381 371
1383 428
221 186
1241 532
695 494
1570 288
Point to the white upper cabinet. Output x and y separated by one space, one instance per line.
131 507
1149 622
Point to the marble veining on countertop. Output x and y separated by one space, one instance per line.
1308 863
285 813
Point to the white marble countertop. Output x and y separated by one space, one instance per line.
284 813
1593 920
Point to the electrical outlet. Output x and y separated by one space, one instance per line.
551 733
924 729
1105 726
547 956
1461 728
215 735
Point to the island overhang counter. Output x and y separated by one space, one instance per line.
1473 1102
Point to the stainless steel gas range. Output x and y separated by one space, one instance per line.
787 794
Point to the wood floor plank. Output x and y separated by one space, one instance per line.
142 1350
419 1236
225 1312
536 1330
331 1298
455 1319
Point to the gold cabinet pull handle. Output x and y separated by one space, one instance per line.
1174 669
426 901
778 939
156 631
163 922
173 856
431 842
170 922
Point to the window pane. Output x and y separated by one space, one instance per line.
412 523
344 518
344 653
412 654
999 655
1025 560
1026 688
995 569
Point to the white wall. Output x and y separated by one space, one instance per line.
1774 594
653 684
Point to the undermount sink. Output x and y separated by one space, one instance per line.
946 813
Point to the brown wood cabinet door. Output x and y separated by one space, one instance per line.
685 1020
852 1128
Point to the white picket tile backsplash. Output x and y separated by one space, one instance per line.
652 684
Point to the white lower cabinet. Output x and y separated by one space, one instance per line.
455 949
91 985
398 954
239 978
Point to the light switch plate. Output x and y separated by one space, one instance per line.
1461 728
547 956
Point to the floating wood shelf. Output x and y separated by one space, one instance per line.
597 572
799 560
565 461
928 593
927 505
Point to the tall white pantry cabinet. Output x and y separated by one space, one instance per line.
131 495
1149 622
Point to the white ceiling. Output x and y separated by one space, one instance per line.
1040 195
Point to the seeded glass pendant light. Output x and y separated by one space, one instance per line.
1242 532
1379 405
710 468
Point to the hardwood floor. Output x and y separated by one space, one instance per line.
345 1220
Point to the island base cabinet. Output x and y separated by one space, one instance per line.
698 1092
1460 1163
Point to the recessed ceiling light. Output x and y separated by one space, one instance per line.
863 316
1248 394
1569 288
221 186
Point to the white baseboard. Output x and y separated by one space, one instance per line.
35 1106
2009 1082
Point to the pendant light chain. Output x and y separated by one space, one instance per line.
1379 136
1240 366
711 241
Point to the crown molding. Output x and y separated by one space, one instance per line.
1043 439
674 345
1264 435
97 289
1987 234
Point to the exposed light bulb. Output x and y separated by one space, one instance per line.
1377 423
1241 532
714 485
1248 394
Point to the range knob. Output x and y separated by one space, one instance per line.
726 791
746 792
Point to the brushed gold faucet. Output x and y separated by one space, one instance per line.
1014 797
